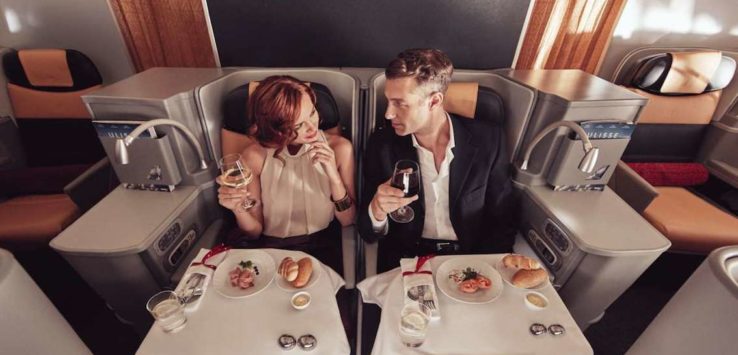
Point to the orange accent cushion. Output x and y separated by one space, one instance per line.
46 67
691 223
461 99
35 218
29 103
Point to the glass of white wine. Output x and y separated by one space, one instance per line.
233 173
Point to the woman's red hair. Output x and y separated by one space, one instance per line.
273 109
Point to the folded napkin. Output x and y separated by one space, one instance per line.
206 260
418 285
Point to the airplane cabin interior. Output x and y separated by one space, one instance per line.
620 125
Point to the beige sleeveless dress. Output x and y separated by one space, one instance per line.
295 194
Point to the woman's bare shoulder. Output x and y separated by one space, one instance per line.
254 156
339 143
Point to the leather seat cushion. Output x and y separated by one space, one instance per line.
691 223
35 219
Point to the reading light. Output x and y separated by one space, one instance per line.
121 145
587 165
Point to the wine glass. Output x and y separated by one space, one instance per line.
406 178
236 175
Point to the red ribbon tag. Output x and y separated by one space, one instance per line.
213 252
419 264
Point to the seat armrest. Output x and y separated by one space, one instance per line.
92 185
348 245
11 150
38 180
370 258
631 187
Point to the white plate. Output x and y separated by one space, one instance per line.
508 272
285 285
261 259
451 289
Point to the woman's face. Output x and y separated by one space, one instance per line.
306 125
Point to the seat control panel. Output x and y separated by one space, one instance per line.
181 250
544 251
169 237
559 239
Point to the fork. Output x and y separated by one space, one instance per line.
430 304
191 288
428 300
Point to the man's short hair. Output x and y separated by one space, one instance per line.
431 68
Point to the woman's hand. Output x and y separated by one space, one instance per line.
323 153
229 197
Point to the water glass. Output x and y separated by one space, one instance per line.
168 310
414 319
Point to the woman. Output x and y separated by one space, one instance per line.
302 177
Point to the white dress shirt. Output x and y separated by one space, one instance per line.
435 188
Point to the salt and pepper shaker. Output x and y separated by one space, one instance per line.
537 329
287 341
556 329
307 342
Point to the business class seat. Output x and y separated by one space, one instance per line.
234 136
224 103
466 99
683 89
57 138
29 322
700 317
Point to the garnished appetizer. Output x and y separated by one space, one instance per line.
243 274
469 280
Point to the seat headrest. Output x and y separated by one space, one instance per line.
55 70
470 100
684 73
236 104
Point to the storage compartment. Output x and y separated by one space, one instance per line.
573 235
151 161
565 174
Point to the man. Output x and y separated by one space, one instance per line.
465 204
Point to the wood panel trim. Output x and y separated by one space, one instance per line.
165 33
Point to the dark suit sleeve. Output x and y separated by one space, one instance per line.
373 177
501 208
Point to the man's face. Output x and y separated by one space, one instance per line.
407 110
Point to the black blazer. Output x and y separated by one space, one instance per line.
483 208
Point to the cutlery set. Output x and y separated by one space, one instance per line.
193 288
422 294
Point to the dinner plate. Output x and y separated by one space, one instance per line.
451 289
287 286
260 259
507 275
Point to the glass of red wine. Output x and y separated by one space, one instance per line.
406 178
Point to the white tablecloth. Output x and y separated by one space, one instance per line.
252 325
499 327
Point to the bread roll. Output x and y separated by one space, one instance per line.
529 278
305 269
288 269
518 261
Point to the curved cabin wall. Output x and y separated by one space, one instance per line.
659 23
